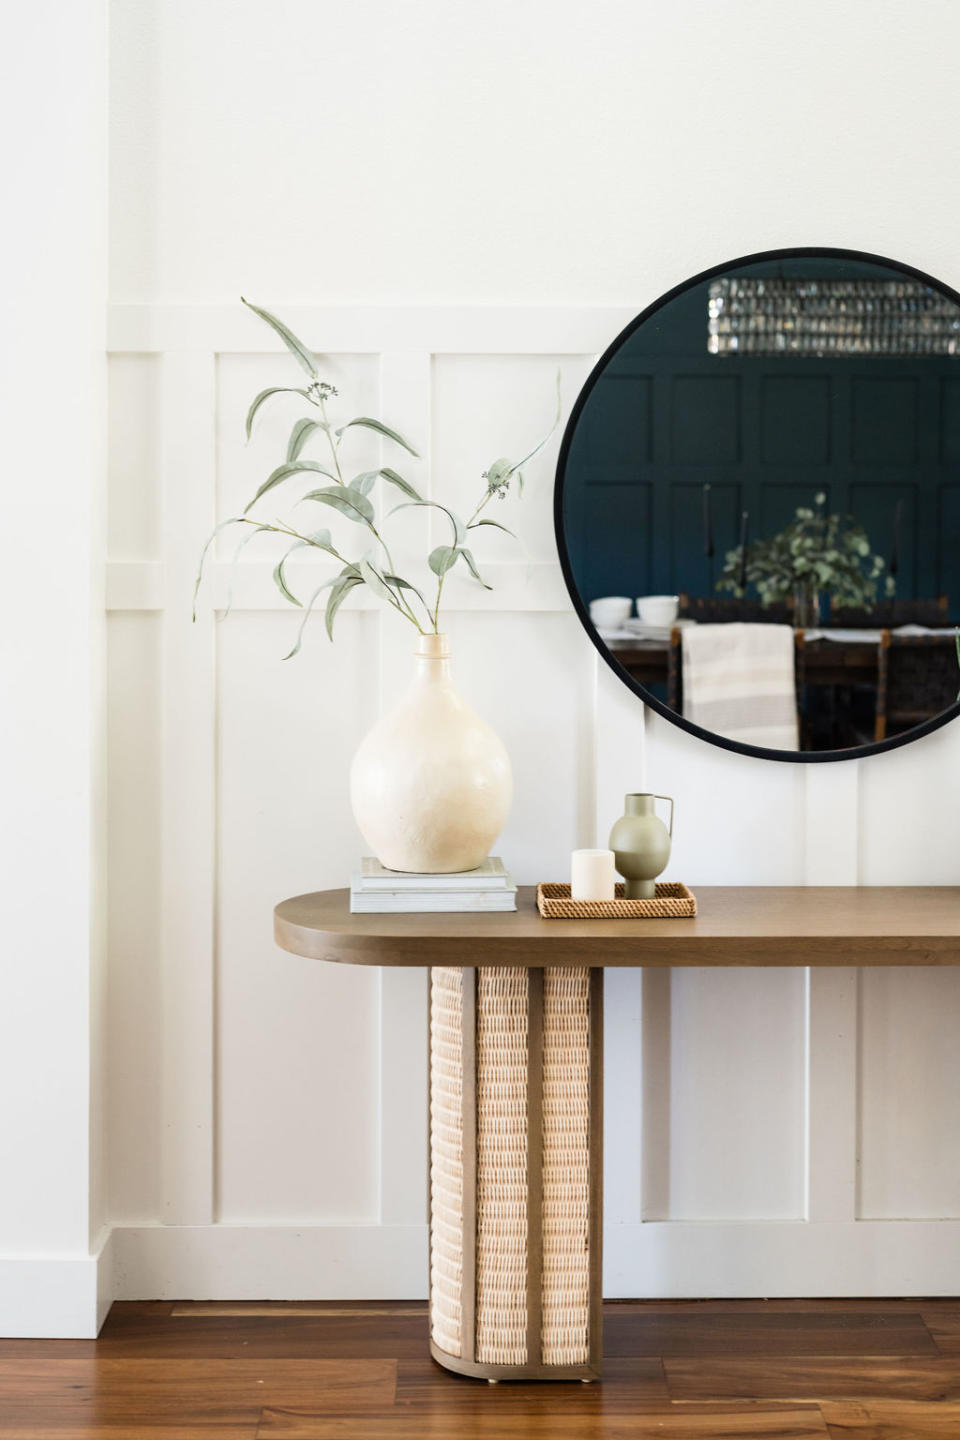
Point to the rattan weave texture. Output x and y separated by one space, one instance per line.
566 1166
673 901
502 1022
446 1157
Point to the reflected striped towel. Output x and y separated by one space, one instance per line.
739 682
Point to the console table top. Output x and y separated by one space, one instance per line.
735 925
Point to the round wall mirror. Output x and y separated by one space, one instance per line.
758 504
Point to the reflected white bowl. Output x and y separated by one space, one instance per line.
610 610
658 609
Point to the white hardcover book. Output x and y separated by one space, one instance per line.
374 877
432 902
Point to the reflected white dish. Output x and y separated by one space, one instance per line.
610 610
658 609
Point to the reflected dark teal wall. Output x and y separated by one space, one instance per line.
767 433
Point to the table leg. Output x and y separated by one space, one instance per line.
516 1162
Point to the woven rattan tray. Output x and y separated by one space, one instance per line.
673 901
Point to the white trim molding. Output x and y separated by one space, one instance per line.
56 1297
270 1262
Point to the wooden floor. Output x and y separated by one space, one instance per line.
868 1370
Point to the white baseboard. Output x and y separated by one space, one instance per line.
55 1297
66 1297
759 1259
270 1262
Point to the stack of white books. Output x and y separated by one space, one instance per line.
376 890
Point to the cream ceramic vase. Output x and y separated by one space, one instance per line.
430 784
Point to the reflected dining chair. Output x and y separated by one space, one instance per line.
917 678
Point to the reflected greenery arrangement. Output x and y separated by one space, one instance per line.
815 554
350 498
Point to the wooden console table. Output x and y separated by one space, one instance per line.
516 1077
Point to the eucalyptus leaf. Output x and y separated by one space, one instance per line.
400 483
496 525
306 616
459 534
295 346
279 579
265 395
402 584
443 559
224 524
371 576
501 470
368 424
338 594
300 434
472 567
556 421
283 472
348 502
364 483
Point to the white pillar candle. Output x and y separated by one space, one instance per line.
592 875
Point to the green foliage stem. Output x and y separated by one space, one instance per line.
352 500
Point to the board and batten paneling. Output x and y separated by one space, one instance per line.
268 1123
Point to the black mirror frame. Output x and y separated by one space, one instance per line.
795 756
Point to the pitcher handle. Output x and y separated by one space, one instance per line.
669 799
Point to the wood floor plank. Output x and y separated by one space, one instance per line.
671 1423
846 1306
191 1309
91 1430
683 1370
155 1392
944 1326
358 1335
777 1333
628 1385
914 1377
891 1420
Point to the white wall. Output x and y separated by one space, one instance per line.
343 163
53 115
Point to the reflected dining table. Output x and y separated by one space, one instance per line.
826 660
516 1080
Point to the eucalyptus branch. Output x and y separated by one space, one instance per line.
351 502
334 444
436 608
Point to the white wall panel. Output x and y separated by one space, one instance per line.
909 815
296 1040
723 1069
731 1047
733 1097
909 1083
134 917
738 819
133 469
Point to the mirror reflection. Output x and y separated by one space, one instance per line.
759 503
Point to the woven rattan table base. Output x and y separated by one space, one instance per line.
515 1171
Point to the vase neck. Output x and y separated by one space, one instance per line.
433 658
640 805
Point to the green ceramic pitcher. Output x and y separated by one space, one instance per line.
641 845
